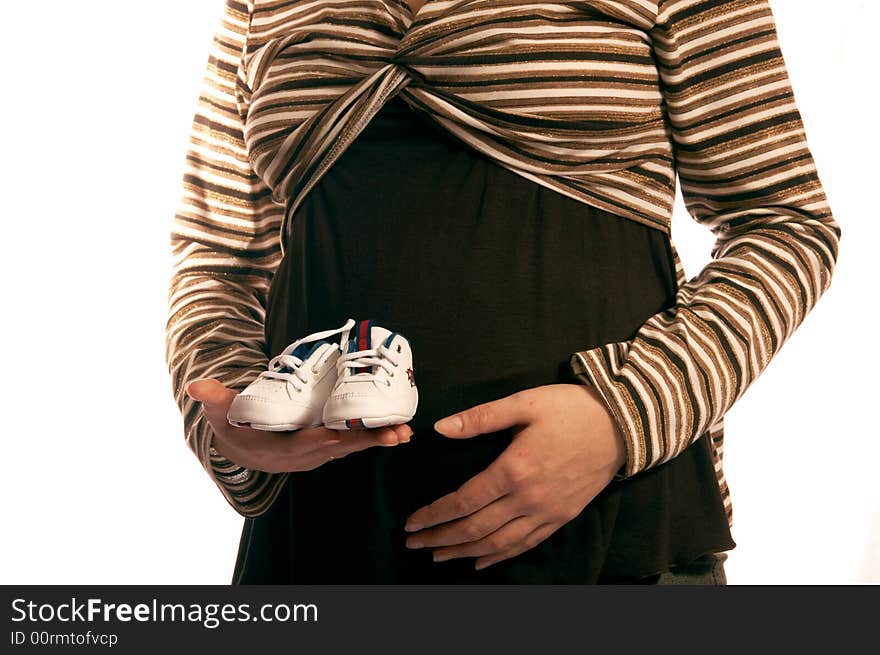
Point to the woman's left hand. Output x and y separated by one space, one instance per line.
566 448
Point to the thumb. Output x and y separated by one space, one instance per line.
487 417
210 392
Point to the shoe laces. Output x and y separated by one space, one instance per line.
288 367
381 357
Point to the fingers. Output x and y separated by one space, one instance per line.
508 537
470 528
473 495
356 440
487 417
342 444
512 539
527 543
310 447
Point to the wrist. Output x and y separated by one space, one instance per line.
607 424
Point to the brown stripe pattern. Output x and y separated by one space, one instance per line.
603 101
225 250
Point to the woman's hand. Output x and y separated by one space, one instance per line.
282 452
566 448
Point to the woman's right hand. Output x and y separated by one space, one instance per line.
282 452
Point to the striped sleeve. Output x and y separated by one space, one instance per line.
747 174
225 250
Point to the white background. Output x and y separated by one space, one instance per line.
98 485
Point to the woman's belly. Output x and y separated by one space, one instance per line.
494 279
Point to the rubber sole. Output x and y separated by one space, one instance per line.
284 427
374 422
371 422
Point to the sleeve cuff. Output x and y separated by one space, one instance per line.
600 367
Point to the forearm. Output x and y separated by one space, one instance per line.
748 175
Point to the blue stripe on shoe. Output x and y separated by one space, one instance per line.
305 350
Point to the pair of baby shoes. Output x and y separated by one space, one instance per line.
354 377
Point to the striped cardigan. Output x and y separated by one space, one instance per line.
604 101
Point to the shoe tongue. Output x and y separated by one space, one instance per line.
365 335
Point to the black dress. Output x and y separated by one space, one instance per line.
495 280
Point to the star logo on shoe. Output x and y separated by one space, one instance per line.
411 376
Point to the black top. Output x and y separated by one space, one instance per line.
496 281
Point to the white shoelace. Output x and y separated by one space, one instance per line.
287 360
379 356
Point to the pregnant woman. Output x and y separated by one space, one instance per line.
495 181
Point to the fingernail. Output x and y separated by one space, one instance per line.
414 543
479 567
413 526
441 557
449 424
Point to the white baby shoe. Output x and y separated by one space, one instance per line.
290 395
375 384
